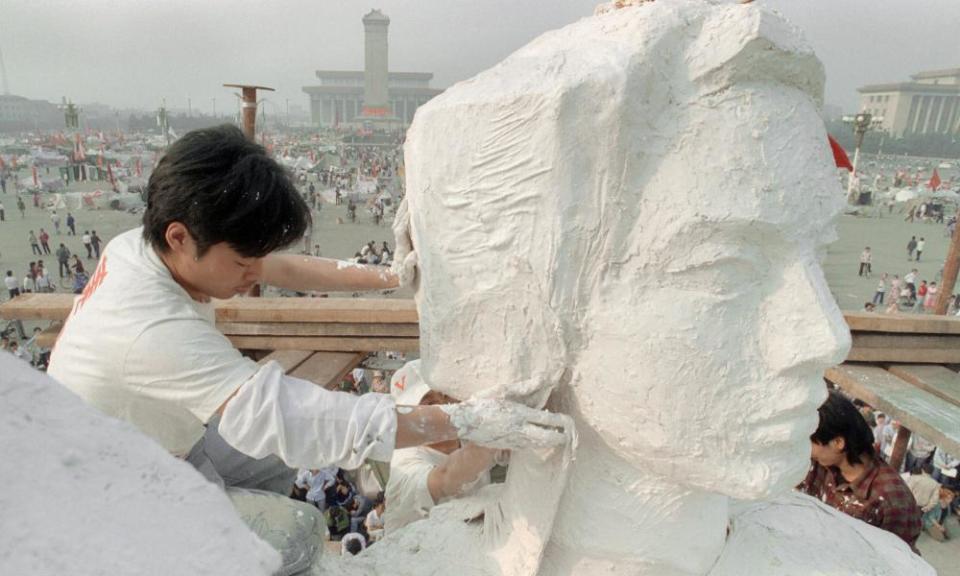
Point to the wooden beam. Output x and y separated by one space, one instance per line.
296 343
318 329
920 411
327 369
911 341
37 307
326 344
345 310
899 447
935 379
288 359
902 323
894 354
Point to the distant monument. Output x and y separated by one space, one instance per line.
376 52
373 95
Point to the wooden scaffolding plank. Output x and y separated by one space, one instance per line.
37 307
906 341
935 379
327 369
325 344
902 323
318 329
347 310
919 411
896 354
288 359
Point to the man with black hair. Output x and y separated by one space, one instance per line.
141 344
847 474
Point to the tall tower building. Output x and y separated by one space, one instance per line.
376 99
373 96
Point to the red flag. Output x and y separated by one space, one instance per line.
110 175
839 154
139 168
934 182
36 179
2 163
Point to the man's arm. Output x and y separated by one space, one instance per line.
304 273
461 468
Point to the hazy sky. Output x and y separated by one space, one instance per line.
132 53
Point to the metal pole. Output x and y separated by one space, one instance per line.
856 160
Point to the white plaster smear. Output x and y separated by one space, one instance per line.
84 494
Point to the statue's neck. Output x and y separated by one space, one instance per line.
613 515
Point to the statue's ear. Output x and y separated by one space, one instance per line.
745 43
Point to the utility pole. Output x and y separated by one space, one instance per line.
163 120
189 108
214 108
248 107
249 113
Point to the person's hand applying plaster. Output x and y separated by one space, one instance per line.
405 260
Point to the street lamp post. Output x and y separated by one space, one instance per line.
862 122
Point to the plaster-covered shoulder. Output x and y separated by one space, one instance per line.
796 535
84 494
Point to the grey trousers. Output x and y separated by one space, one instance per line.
225 466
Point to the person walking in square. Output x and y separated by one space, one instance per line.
920 246
12 284
22 207
911 246
87 243
71 224
3 213
95 241
63 259
35 244
865 259
45 241
881 290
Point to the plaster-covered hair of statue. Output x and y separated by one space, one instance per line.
547 197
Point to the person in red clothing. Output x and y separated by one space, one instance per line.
848 474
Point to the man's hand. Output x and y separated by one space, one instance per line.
505 424
405 259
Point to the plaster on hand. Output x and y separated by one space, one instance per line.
504 424
405 260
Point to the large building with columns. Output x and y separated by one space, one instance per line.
929 104
373 94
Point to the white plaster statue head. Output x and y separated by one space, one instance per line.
631 211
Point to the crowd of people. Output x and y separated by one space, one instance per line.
910 293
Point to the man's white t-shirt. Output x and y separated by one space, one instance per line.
139 348
11 282
407 495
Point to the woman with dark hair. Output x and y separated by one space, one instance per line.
848 474
141 343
